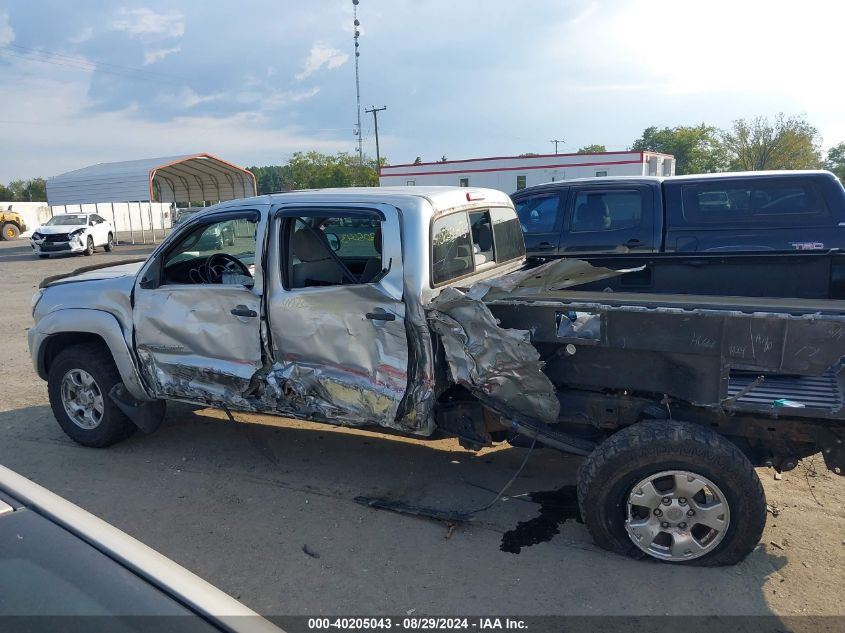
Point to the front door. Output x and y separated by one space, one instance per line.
541 216
336 315
197 311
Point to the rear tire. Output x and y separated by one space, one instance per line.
103 428
617 478
109 243
10 231
89 247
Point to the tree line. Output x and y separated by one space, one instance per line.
785 142
34 190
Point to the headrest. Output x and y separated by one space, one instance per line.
310 246
485 237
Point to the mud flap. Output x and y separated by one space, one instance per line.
147 415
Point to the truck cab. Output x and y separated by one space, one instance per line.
704 213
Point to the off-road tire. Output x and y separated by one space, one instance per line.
97 361
10 231
109 247
89 246
606 478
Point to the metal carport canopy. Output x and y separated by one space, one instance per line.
192 177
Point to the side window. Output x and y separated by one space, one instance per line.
606 210
97 219
764 202
214 253
452 248
341 249
538 214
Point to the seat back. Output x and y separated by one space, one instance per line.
317 266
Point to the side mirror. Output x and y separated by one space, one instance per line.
334 241
150 280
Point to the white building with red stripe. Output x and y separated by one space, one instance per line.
511 173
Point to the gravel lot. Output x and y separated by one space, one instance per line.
237 503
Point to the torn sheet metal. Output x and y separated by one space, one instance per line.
499 366
336 361
549 277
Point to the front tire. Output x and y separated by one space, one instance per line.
10 231
79 382
89 247
674 491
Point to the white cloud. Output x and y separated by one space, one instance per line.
84 35
322 55
55 122
274 99
7 34
147 22
151 57
187 97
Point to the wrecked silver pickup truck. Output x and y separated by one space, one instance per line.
411 308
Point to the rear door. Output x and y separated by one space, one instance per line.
541 218
337 328
604 219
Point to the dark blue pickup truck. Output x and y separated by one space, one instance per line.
710 213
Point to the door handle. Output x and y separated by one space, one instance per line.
243 311
545 246
381 316
633 242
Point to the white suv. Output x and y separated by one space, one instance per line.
72 233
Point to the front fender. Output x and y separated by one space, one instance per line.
86 321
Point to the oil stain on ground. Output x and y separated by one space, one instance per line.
556 507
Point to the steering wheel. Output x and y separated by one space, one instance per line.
220 263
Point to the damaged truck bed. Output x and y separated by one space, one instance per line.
413 309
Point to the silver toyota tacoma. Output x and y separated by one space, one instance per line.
413 309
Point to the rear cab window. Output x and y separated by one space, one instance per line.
466 242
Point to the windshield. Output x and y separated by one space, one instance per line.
68 219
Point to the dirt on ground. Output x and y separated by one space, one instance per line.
265 509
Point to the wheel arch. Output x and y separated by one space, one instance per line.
63 328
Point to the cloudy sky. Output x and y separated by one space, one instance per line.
253 81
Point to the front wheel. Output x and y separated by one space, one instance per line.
674 491
80 380
10 231
89 246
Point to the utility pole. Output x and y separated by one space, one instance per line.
356 24
374 111
556 141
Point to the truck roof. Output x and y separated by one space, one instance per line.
784 173
440 198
